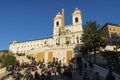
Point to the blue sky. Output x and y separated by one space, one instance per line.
23 20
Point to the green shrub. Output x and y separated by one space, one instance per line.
5 51
111 56
7 59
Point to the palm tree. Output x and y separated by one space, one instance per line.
93 38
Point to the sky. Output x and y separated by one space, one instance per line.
23 20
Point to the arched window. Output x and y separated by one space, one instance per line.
77 38
57 41
68 40
57 23
76 19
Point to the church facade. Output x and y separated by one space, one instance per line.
60 45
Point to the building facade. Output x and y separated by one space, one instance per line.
112 33
60 45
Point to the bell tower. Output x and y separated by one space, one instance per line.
57 28
57 24
77 20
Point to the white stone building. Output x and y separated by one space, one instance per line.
60 45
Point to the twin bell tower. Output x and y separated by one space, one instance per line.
60 30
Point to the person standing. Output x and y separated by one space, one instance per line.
91 66
85 76
85 66
96 77
110 76
69 74
37 76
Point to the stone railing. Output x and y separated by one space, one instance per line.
36 50
103 72
63 46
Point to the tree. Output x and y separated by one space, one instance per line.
84 50
7 59
77 52
77 48
93 38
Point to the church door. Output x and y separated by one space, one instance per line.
69 55
40 56
50 56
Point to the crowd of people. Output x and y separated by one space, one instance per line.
51 69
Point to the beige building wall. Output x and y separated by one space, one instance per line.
112 32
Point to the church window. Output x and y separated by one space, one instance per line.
76 19
114 29
68 40
110 29
77 38
67 31
45 42
57 23
57 42
77 41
